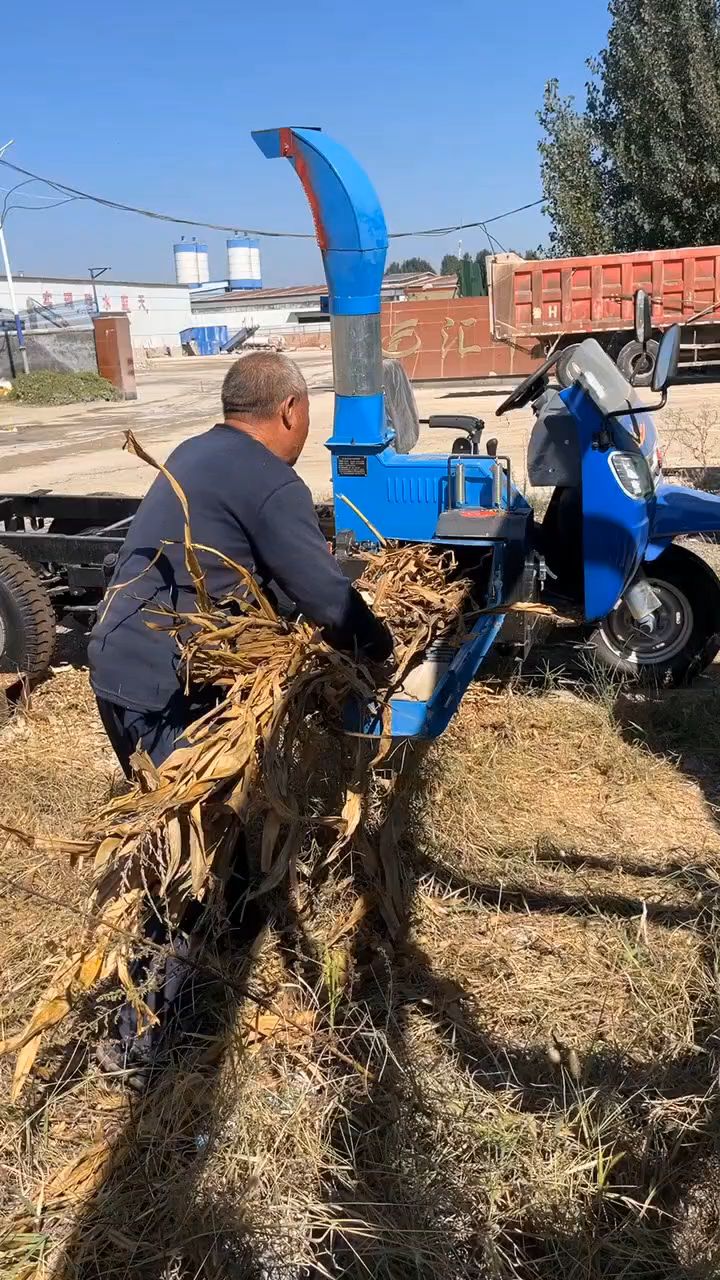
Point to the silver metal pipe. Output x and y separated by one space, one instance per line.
357 355
460 484
497 484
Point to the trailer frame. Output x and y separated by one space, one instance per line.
57 555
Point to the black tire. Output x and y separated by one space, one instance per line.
688 637
562 368
637 364
27 621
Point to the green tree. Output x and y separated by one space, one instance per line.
654 109
639 168
572 180
472 275
410 264
451 263
530 255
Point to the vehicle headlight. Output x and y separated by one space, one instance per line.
632 474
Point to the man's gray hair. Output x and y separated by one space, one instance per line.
258 383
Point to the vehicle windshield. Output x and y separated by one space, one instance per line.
601 379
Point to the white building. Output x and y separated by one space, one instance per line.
290 310
277 309
157 312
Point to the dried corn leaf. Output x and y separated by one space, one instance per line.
282 862
24 1064
73 849
199 863
78 1179
105 851
50 1009
352 812
288 1030
271 831
361 908
90 969
174 844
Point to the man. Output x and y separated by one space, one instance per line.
247 502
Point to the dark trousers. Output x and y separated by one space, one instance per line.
159 733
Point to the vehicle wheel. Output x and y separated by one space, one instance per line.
27 621
637 364
687 634
563 372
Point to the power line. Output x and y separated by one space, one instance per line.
37 208
76 194
464 226
30 195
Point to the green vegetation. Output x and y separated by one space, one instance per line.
637 168
45 387
452 263
409 264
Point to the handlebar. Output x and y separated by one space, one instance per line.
456 422
473 427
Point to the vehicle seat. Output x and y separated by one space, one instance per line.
400 406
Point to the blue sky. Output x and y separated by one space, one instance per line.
153 104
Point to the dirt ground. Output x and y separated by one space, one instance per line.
78 448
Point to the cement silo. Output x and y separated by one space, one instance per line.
243 256
191 263
203 263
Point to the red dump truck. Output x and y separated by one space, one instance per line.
559 301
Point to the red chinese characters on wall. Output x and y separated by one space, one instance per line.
67 296
107 304
124 302
47 298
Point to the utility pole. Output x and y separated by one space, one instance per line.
94 273
11 287
13 302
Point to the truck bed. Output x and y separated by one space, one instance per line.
595 294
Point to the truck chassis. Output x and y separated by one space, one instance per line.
57 555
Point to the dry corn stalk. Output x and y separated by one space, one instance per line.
167 840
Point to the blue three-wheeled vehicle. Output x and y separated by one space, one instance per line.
608 540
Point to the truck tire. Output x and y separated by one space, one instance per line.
563 373
636 364
687 638
27 621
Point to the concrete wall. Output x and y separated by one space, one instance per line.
157 312
298 337
452 339
62 350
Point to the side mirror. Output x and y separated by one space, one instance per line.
643 317
666 360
